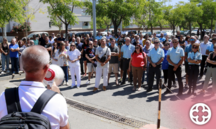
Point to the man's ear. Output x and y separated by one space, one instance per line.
46 67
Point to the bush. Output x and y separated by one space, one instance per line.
21 28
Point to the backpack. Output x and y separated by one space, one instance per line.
16 119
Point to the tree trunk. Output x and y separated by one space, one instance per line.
173 29
201 30
151 29
190 27
211 26
115 28
66 32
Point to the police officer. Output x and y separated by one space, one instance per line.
155 57
175 57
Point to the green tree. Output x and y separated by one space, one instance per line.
154 10
102 23
209 11
55 21
174 15
191 13
63 10
11 10
116 10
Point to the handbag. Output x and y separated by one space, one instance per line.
103 58
95 64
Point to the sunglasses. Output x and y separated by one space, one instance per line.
166 45
175 42
136 47
156 42
195 47
73 45
90 44
192 39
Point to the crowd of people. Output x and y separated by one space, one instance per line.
133 57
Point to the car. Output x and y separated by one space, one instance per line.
79 34
208 31
158 34
144 33
37 34
186 32
128 32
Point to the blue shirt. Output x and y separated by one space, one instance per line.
99 37
79 46
175 54
14 54
127 50
188 49
194 56
162 39
156 55
210 47
147 52
165 63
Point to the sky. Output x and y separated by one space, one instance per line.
173 2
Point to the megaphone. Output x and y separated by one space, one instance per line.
54 74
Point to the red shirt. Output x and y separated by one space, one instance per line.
138 59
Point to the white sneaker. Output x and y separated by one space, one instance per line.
8 71
88 82
78 87
2 72
66 83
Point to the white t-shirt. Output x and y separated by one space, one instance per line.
73 55
29 92
100 52
203 47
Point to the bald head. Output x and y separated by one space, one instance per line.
34 58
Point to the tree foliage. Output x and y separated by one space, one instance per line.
116 10
11 10
63 10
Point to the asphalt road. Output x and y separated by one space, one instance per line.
121 100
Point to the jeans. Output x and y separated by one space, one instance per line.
65 69
5 59
81 65
15 64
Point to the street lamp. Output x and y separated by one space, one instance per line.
94 17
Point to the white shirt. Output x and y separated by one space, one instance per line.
204 47
62 61
102 51
51 41
29 91
197 41
73 55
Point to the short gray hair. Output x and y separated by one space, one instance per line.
176 39
37 56
157 40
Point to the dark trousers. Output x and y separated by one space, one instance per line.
65 69
193 76
165 73
125 68
171 76
15 64
152 71
81 65
203 62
